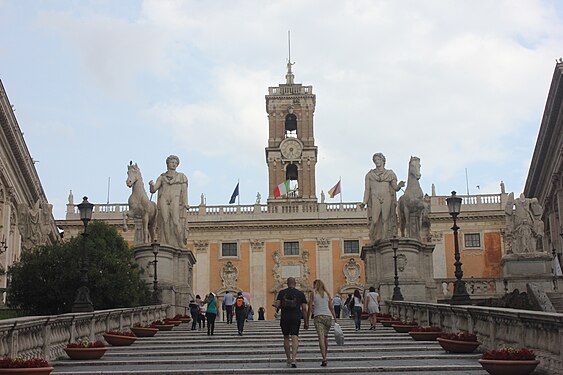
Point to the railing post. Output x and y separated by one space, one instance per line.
46 340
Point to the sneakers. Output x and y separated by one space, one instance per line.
323 363
293 365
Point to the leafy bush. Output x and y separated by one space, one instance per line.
459 336
45 280
9 362
86 344
426 329
512 354
121 333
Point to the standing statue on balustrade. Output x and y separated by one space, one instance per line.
172 203
525 227
380 197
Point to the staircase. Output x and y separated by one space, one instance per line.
556 299
260 351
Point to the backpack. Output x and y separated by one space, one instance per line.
239 302
288 301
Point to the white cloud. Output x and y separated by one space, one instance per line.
455 83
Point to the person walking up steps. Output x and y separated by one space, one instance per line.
293 306
371 304
229 301
211 312
321 306
241 305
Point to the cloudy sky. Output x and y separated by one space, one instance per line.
95 84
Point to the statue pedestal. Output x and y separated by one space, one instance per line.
521 269
414 268
174 272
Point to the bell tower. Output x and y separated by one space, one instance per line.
291 153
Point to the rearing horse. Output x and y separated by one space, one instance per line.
411 203
140 206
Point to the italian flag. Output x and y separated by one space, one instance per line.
281 189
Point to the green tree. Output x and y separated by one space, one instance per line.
45 280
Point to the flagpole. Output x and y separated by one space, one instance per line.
340 182
238 196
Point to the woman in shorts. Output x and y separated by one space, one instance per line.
321 307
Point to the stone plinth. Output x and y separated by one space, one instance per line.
414 267
521 269
174 272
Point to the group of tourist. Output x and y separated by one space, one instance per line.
323 309
295 307
206 310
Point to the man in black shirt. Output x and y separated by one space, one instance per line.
293 306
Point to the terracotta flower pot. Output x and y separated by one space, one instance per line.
185 320
508 367
402 328
26 371
144 331
424 336
119 340
389 323
455 346
174 322
85 353
164 327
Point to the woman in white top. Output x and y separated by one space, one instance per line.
371 304
320 305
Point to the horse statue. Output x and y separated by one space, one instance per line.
140 207
411 203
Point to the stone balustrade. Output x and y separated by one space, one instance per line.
47 336
483 202
495 327
476 287
280 210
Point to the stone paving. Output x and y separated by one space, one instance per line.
260 351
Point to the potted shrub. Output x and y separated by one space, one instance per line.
404 326
162 326
509 361
120 338
183 318
143 331
24 366
86 350
460 342
388 322
425 333
172 321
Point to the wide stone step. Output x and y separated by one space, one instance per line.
260 351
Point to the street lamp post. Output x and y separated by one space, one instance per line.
397 296
82 302
460 296
155 294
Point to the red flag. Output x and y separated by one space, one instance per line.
335 190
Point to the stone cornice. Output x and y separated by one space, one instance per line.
19 158
546 159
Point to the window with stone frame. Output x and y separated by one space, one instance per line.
472 240
351 247
291 248
229 249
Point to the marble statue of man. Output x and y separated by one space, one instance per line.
524 224
380 198
172 203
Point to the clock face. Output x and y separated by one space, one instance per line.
291 148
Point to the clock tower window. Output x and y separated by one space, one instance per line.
291 125
291 172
